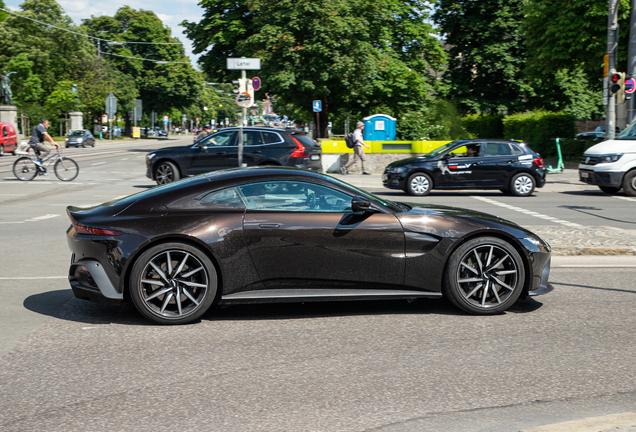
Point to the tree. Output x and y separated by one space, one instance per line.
354 56
160 86
27 84
486 54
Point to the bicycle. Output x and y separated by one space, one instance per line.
66 169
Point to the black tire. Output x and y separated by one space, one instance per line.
629 183
609 190
15 149
505 191
166 172
419 184
1 150
66 146
171 271
24 169
66 169
484 276
522 184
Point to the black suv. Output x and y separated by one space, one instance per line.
509 166
219 150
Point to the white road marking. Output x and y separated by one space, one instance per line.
33 277
12 194
625 198
125 159
11 222
98 163
593 265
528 212
40 218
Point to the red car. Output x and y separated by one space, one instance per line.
8 139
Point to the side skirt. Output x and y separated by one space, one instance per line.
317 295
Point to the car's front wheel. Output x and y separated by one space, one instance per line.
484 276
166 172
522 184
173 283
419 184
629 183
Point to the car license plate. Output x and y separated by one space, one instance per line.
584 174
314 157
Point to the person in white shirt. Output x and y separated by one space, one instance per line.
358 151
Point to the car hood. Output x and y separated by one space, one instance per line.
172 150
445 221
409 160
612 146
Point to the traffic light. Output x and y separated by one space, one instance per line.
241 86
617 86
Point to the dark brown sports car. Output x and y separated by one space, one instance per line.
274 234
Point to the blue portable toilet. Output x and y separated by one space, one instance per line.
379 127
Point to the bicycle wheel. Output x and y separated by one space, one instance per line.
66 169
24 169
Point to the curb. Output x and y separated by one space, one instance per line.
614 422
577 251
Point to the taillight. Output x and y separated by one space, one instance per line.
539 162
83 229
300 149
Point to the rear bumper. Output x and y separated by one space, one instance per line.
89 281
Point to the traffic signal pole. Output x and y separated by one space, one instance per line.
631 61
612 30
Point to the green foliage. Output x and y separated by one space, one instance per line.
3 15
484 125
353 56
62 100
539 128
27 85
440 122
486 54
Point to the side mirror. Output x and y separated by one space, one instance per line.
447 156
360 204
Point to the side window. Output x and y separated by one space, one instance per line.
469 150
225 138
271 138
498 149
294 197
224 198
4 131
252 138
516 150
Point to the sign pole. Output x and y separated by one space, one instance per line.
240 149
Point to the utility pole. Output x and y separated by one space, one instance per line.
612 42
631 62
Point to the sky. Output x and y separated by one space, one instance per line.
170 13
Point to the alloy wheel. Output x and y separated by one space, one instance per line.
523 185
174 284
165 174
487 276
420 184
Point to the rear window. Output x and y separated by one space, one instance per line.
304 140
271 138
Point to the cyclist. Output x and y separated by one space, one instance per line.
38 136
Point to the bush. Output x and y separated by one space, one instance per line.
484 125
440 122
539 128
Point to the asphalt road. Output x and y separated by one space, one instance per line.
71 365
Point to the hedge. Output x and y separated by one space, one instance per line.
484 125
539 128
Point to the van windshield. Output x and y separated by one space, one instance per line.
629 133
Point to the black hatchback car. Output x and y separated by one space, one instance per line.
509 166
219 150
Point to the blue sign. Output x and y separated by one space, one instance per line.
317 106
285 119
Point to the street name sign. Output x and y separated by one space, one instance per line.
243 63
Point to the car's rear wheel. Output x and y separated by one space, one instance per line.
173 283
629 183
522 184
484 276
419 184
1 150
166 172
609 190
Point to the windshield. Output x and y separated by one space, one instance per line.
76 133
442 149
629 133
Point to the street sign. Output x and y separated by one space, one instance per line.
137 111
244 100
111 105
243 63
317 106
256 83
630 85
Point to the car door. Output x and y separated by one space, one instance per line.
460 168
498 164
302 234
253 148
212 153
88 138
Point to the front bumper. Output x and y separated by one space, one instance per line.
600 178
543 287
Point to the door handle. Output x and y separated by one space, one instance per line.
511 161
269 225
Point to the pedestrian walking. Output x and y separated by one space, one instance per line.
358 151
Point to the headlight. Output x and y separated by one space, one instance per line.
609 158
396 170
150 155
80 139
534 241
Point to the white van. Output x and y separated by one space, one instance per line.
611 165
